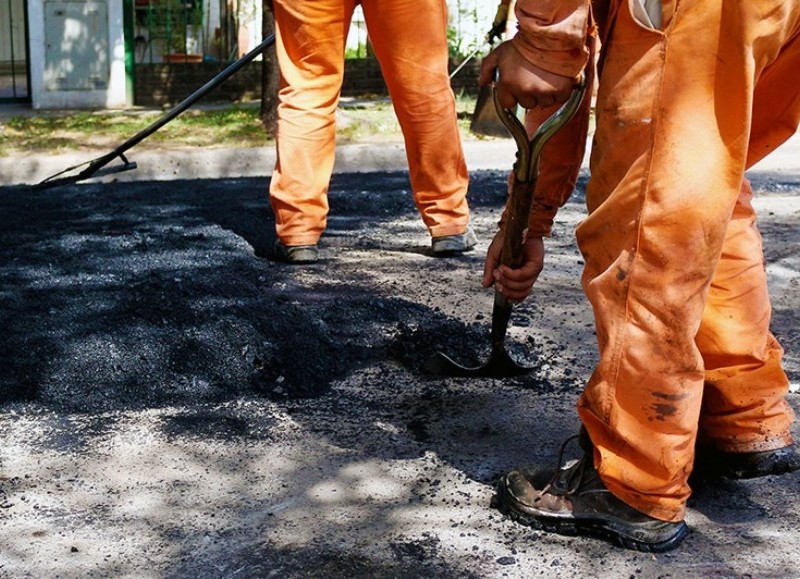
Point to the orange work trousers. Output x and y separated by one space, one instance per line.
409 39
673 258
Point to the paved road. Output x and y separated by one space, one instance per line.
147 434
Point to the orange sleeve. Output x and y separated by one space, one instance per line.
559 167
552 34
560 161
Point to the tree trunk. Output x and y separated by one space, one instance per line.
269 74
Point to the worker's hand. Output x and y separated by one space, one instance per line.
517 81
514 284
499 24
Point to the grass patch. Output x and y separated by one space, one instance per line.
55 133
366 120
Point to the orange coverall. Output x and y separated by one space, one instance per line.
674 265
410 41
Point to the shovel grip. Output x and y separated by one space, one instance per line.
516 224
526 169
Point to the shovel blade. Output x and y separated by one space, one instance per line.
499 365
485 120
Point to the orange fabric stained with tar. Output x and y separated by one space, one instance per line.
673 257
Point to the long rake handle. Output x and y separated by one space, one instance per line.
95 165
182 106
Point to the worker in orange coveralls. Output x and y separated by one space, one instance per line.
409 38
691 94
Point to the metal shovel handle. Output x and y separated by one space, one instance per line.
500 364
526 168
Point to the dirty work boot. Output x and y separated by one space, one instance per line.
710 463
574 501
449 245
296 254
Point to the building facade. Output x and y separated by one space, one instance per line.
85 53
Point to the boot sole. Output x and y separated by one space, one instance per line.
782 463
588 528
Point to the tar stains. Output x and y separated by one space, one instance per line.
416 342
205 424
663 411
506 561
418 549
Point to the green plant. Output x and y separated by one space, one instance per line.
453 42
172 20
355 53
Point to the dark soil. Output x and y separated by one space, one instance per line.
140 295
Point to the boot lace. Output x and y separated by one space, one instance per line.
568 477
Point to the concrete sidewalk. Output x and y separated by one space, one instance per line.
217 163
220 163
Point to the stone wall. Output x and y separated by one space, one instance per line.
160 85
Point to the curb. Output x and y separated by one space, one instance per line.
210 163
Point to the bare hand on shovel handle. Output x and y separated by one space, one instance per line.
526 171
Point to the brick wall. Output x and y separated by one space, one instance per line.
159 85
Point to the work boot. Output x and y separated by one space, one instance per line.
449 245
574 501
296 254
710 463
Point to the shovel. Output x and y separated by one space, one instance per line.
525 173
485 118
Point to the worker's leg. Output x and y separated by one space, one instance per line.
671 146
744 409
310 51
410 41
744 406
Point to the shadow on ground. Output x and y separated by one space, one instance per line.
176 404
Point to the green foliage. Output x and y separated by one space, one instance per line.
356 53
234 126
453 42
